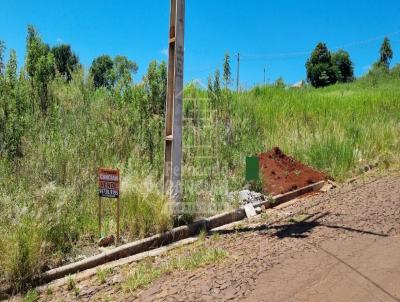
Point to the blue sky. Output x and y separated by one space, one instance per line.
278 35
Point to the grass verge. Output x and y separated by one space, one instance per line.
145 273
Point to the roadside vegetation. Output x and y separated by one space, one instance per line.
59 125
198 255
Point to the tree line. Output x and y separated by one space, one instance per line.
326 68
26 94
323 68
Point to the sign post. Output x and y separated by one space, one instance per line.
100 216
109 188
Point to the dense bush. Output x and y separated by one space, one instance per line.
325 68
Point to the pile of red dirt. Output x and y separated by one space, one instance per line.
282 173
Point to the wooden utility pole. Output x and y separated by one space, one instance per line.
238 72
173 117
264 75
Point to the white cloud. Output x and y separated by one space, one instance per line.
59 40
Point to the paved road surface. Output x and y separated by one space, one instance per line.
357 269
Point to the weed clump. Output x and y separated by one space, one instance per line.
20 254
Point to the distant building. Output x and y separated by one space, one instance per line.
300 84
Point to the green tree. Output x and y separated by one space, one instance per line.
386 53
40 66
102 71
11 70
124 69
320 71
343 66
216 89
227 70
44 73
3 101
13 116
152 109
210 93
280 82
2 49
217 83
65 60
155 82
35 50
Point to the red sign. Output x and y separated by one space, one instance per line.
108 183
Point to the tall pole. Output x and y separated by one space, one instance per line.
238 72
264 75
173 116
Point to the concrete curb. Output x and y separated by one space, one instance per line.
124 251
174 235
117 263
166 238
279 199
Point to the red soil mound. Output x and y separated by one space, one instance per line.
282 174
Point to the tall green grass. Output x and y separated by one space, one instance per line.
338 129
48 198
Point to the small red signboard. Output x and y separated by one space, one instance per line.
109 188
108 183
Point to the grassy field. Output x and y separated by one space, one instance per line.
48 197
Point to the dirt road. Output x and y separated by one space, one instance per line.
357 269
343 245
